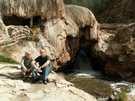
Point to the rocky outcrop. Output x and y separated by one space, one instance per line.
45 8
62 30
59 35
14 88
116 45
83 17
15 34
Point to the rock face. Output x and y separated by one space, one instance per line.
116 45
29 8
83 17
13 88
54 26
62 30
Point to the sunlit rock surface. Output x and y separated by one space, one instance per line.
59 34
45 8
13 88
58 28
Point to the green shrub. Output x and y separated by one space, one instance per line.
4 58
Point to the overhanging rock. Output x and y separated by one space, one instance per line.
58 31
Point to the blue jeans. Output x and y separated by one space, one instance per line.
34 75
43 75
46 72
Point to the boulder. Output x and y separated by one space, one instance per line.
116 45
83 17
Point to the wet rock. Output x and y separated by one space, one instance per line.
123 71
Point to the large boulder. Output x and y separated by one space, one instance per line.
116 45
83 17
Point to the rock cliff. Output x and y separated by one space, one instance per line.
45 8
117 45
53 26
61 30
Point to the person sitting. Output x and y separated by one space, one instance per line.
26 64
44 64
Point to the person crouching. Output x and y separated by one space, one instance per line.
44 64
26 64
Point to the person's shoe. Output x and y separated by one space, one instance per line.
45 82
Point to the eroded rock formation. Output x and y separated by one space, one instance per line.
59 29
45 8
116 45
50 25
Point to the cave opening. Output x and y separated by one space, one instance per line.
23 21
87 51
15 20
86 58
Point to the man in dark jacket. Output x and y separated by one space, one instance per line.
44 63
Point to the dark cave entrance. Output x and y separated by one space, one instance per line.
14 20
86 52
86 58
23 21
